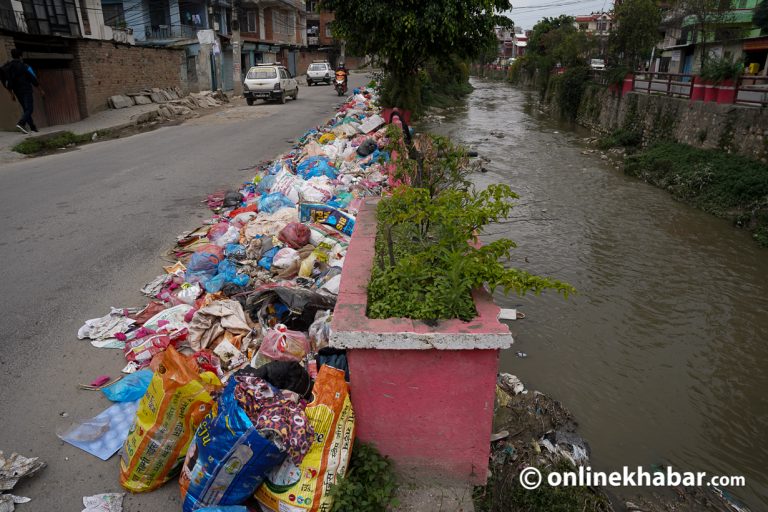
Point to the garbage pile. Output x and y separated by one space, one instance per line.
229 379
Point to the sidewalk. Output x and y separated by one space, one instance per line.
107 119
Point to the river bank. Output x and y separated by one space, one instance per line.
658 356
715 166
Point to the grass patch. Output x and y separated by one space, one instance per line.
369 485
726 185
505 494
37 145
621 138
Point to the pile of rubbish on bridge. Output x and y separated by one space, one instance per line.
230 381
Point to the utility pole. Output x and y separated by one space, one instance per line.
236 75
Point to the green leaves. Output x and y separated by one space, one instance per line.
429 261
405 34
369 485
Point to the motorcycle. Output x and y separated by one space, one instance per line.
340 85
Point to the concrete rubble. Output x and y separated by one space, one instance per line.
171 102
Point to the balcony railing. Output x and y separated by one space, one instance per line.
171 32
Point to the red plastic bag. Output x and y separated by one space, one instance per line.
280 344
295 235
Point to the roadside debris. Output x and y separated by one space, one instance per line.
13 469
228 362
110 502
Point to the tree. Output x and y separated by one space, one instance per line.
707 15
405 34
760 18
637 32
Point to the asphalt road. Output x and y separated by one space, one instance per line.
85 230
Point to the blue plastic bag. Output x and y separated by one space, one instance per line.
234 250
267 257
130 388
228 458
266 184
202 267
227 273
316 166
270 203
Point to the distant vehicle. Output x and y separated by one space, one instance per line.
597 64
319 71
269 82
511 61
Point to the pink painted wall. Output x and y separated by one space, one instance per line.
431 411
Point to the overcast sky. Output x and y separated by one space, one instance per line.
525 13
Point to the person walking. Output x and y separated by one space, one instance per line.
19 79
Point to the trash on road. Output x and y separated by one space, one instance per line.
12 469
233 341
108 502
103 434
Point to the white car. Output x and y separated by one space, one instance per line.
319 71
269 82
597 64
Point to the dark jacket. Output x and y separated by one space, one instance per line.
18 77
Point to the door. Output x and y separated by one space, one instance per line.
292 62
60 103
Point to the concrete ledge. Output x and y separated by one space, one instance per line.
352 329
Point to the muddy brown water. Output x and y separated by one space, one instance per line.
663 355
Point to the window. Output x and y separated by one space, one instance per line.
284 23
602 26
311 5
583 26
114 15
328 32
252 21
262 73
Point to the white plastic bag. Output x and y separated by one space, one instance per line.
285 257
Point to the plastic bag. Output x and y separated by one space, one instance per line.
189 293
230 236
367 147
285 257
306 488
217 230
280 344
227 273
267 257
320 330
202 266
286 183
270 203
169 413
316 190
294 235
316 166
228 458
232 198
265 185
130 388
142 350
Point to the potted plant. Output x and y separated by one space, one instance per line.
710 74
726 86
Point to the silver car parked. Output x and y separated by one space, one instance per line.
269 82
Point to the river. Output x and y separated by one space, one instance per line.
662 357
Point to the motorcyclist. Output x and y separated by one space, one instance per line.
342 74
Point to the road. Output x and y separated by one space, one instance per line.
85 230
